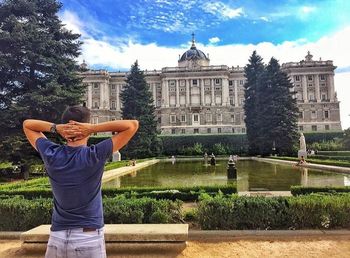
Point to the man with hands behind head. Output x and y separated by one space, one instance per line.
75 171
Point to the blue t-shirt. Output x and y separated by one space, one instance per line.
75 175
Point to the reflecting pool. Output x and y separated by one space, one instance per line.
251 175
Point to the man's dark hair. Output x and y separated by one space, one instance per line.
76 113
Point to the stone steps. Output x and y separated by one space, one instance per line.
122 238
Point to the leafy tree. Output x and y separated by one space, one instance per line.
253 72
138 104
279 111
38 71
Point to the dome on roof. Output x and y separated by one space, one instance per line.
193 55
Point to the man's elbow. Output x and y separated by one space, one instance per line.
25 123
135 125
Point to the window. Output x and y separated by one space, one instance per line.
313 114
208 117
196 130
322 77
217 81
159 120
194 82
217 88
173 131
301 128
230 83
182 82
297 78
208 130
96 85
183 118
241 82
301 114
113 86
113 105
323 85
232 118
183 131
311 97
326 127
95 104
172 118
219 130
243 130
323 96
326 114
232 101
219 117
298 85
172 83
195 118
84 104
309 77
310 85
314 128
233 130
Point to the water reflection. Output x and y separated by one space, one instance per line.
250 175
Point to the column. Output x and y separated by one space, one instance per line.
102 93
166 93
165 98
154 92
118 97
177 93
188 92
107 95
317 88
304 85
331 87
89 96
212 92
202 92
225 92
236 93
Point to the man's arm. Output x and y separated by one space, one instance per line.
34 129
125 129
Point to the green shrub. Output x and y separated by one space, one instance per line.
179 144
219 149
334 153
324 157
303 190
18 214
184 193
317 161
310 211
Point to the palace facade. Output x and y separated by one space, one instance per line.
196 97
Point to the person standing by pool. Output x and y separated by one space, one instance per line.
75 171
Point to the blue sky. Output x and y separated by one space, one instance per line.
169 23
155 32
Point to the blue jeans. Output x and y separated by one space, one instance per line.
75 243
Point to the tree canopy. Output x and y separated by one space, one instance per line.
38 70
138 104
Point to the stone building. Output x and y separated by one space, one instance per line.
196 97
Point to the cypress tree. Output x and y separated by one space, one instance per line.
253 71
38 71
279 111
138 104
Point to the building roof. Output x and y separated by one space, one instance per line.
193 53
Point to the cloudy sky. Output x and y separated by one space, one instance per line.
155 32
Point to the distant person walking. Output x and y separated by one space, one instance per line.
75 171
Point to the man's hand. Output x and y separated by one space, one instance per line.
68 132
80 130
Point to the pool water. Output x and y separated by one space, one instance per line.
251 175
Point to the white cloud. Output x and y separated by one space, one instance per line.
307 9
119 55
214 40
264 18
222 10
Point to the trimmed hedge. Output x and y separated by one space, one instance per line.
19 214
231 143
324 157
311 137
317 161
304 190
335 153
184 193
302 212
